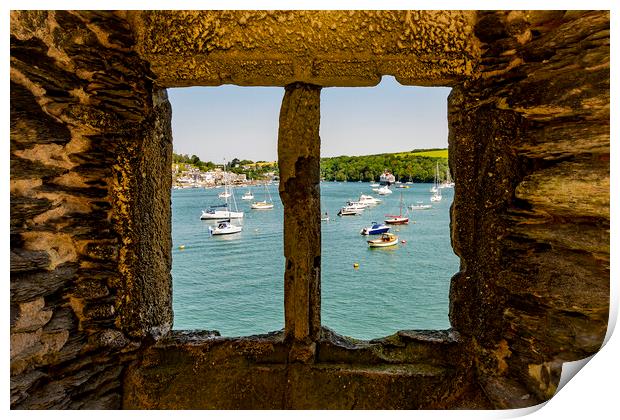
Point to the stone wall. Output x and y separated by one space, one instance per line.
90 243
90 206
529 149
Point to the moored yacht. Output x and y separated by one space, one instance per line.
384 190
224 227
375 229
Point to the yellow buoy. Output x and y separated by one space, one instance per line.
182 247
356 265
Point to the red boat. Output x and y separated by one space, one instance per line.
397 220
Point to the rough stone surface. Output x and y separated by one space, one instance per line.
327 48
529 150
84 116
299 147
209 372
90 206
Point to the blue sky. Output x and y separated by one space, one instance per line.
225 122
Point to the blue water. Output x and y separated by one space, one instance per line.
234 283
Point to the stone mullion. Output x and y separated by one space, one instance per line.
299 165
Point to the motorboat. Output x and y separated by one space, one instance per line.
386 239
369 199
224 227
375 229
224 194
350 211
420 206
247 196
385 190
436 197
357 204
374 184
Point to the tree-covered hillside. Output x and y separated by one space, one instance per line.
417 166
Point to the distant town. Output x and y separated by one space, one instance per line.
191 172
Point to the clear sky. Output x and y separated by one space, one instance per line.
226 122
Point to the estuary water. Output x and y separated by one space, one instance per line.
234 283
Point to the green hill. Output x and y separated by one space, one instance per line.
416 165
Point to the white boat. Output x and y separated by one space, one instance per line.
386 178
325 217
384 190
224 194
248 196
369 199
386 239
357 204
224 227
420 206
263 205
448 183
222 211
374 184
435 186
436 197
350 211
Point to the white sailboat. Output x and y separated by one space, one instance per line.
263 205
435 186
436 190
222 211
448 183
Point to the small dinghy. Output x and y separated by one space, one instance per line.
386 239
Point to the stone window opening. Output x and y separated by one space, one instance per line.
372 295
213 326
230 284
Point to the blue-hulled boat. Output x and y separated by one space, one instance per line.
375 229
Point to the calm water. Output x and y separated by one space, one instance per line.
234 283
